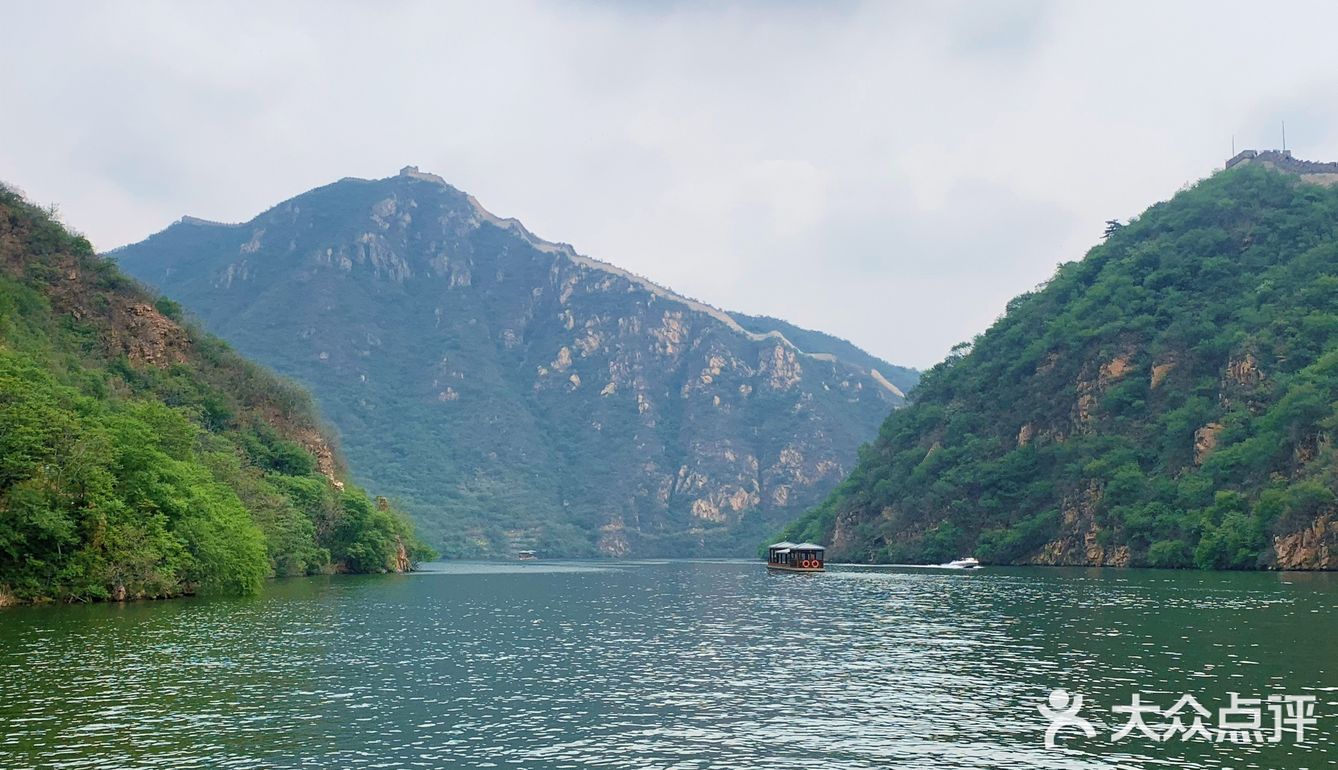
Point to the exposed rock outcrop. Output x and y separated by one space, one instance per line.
1205 441
1160 371
1080 544
1315 547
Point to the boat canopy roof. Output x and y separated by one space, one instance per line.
786 546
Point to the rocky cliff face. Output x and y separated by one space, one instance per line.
516 394
1169 401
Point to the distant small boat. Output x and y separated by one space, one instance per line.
526 555
967 563
795 557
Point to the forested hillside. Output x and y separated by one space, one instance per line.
1170 400
140 457
516 394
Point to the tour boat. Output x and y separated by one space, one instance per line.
795 557
526 555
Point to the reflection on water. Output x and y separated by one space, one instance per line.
662 665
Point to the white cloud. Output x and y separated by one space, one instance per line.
889 172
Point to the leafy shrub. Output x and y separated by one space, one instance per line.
1171 554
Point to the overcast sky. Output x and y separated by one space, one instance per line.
889 172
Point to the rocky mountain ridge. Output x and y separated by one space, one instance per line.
517 393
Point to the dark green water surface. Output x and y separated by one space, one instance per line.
666 665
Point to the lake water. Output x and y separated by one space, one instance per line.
666 665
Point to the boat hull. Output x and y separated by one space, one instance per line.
788 568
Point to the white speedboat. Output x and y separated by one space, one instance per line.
967 563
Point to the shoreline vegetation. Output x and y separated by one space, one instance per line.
142 458
8 600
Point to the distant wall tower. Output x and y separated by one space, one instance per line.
1241 157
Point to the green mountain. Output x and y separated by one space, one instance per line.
1170 400
140 457
513 393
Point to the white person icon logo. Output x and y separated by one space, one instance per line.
1063 712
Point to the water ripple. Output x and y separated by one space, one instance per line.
659 665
